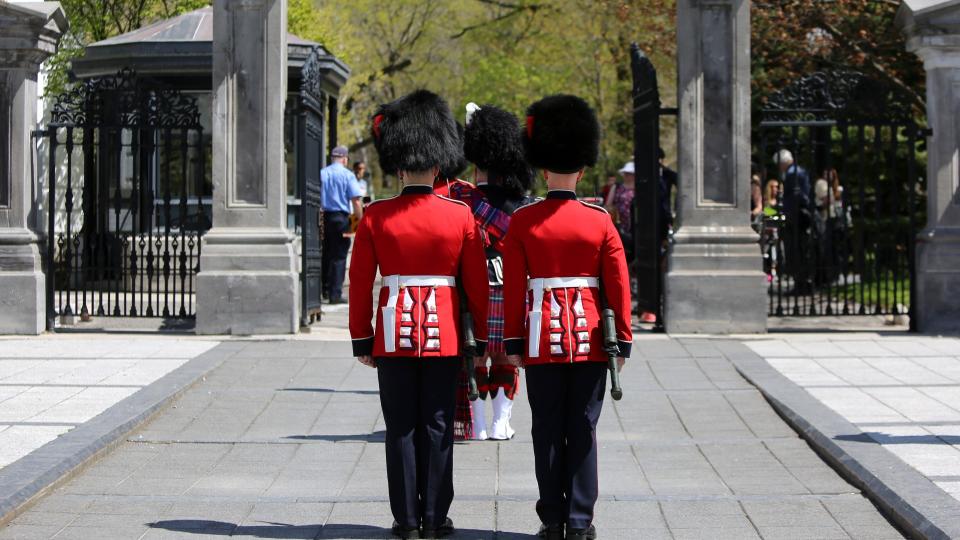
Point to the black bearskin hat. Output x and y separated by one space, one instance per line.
416 133
452 170
492 141
562 134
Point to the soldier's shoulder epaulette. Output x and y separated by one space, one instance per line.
594 206
448 199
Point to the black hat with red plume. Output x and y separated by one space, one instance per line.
562 134
416 133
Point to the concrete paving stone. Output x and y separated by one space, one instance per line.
46 519
715 533
129 506
680 373
803 533
234 484
231 512
794 513
704 514
864 348
113 521
856 405
945 366
153 486
61 501
886 532
947 395
101 532
667 348
914 405
909 347
18 441
856 371
818 348
856 513
821 479
805 371
722 375
775 348
90 484
907 371
29 532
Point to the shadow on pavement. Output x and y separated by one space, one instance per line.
332 391
882 438
376 436
282 530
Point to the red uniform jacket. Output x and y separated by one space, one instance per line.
417 233
561 237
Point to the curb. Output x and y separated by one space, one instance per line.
916 505
30 477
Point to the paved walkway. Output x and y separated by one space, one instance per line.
51 384
284 440
902 391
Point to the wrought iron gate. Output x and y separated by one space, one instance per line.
128 199
836 153
648 219
310 159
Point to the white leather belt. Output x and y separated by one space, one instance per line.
538 285
393 284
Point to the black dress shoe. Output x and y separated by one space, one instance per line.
590 533
550 532
405 532
441 531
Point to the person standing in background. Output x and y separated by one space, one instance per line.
366 188
339 194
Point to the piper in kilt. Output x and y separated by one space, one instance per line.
491 141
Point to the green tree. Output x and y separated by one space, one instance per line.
793 38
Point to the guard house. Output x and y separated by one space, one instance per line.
130 150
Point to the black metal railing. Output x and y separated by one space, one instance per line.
837 154
129 198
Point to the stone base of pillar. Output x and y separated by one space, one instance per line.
248 283
23 304
938 281
715 284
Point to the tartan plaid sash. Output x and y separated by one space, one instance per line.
492 222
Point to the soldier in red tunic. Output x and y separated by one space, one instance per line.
425 246
563 259
493 144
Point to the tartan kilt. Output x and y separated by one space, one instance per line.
463 416
495 320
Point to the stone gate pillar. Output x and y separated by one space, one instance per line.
30 33
248 282
714 281
932 29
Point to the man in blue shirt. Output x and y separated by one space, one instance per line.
339 192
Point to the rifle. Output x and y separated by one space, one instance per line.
610 346
469 349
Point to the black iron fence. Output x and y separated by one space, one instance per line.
128 200
837 159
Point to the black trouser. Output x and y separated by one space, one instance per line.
419 397
566 400
335 249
